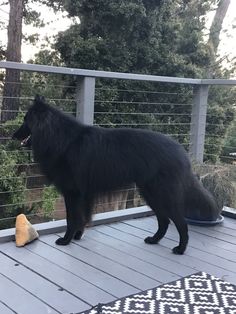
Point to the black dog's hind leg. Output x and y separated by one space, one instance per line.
153 197
182 228
78 234
166 200
75 217
163 223
87 213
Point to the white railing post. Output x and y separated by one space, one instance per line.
198 122
85 95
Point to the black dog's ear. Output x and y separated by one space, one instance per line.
39 102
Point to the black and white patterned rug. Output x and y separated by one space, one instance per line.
199 293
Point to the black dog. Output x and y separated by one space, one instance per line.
86 161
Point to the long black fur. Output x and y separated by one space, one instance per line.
86 161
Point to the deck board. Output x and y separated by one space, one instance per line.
5 309
107 269
110 261
43 289
54 273
200 237
202 242
20 300
167 270
191 257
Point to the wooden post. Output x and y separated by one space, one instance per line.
85 100
198 122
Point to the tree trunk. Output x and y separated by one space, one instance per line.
11 92
215 29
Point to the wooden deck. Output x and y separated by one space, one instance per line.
110 262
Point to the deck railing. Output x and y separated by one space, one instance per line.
86 95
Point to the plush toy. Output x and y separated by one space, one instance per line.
25 232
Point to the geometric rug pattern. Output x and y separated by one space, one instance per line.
199 293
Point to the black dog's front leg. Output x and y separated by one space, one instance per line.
75 218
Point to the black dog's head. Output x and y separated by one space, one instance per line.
24 132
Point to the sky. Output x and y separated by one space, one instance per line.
54 24
60 22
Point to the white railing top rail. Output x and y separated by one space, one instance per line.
112 75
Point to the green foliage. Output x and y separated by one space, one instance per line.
230 144
12 182
32 39
32 17
56 5
14 190
153 37
59 89
160 37
220 116
49 196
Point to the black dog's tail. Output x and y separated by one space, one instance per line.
199 203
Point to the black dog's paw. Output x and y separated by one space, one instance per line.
78 235
178 250
62 241
150 240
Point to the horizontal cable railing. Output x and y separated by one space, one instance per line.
173 106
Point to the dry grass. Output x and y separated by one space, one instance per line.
220 180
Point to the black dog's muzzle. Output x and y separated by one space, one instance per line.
23 135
